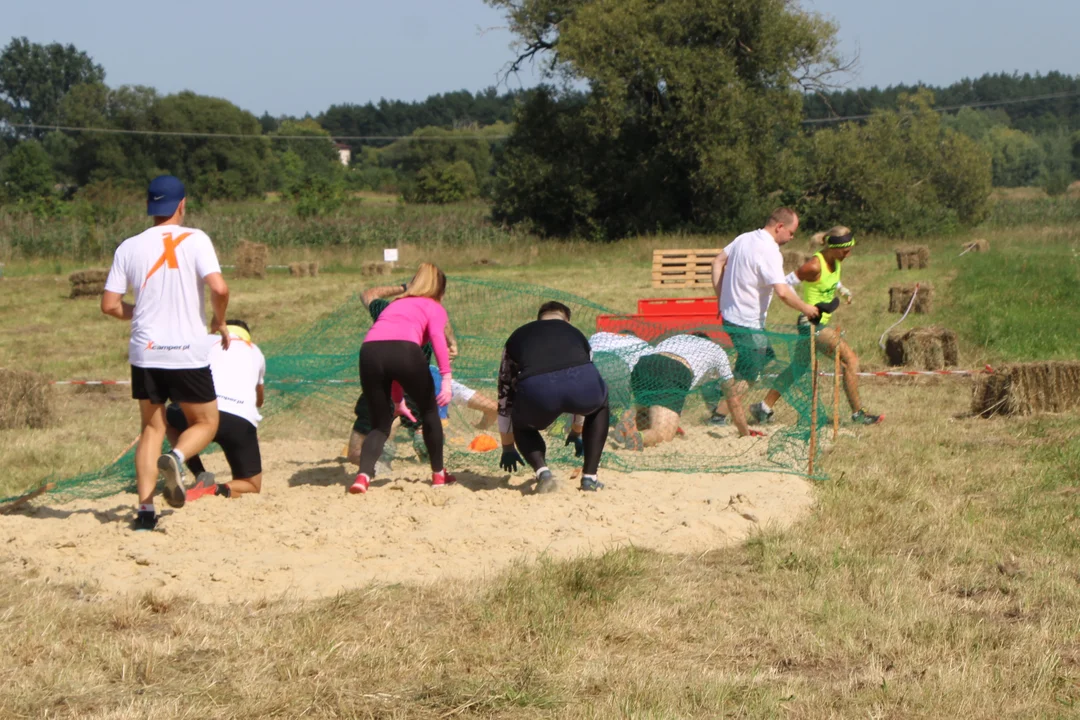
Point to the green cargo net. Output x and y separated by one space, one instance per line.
312 384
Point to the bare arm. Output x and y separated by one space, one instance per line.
382 291
738 415
112 303
718 264
785 293
219 301
451 341
259 396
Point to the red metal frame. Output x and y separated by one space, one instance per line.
698 307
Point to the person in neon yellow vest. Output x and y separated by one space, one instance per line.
818 281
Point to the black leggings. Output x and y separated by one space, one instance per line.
594 435
382 362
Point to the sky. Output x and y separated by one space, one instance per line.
303 57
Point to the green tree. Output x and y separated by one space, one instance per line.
899 173
691 106
443 182
318 156
1017 157
27 173
1076 154
976 124
434 149
34 79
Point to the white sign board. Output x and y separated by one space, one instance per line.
389 255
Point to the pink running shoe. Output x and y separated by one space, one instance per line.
360 485
442 478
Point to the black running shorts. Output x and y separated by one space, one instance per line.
236 436
159 386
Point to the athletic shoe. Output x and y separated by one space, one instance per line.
624 428
634 441
145 520
864 418
591 484
360 484
546 483
759 415
171 469
441 478
718 420
204 485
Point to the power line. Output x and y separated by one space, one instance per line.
456 138
949 108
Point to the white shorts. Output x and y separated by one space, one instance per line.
461 394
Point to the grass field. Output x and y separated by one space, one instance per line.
938 575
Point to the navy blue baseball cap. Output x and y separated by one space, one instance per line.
164 196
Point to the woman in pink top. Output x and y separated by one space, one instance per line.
391 360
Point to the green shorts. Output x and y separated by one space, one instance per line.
661 380
752 349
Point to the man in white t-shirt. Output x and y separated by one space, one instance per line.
745 274
661 380
615 355
166 268
239 376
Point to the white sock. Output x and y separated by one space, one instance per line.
543 469
146 507
589 477
765 407
179 456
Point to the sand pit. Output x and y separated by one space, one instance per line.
304 537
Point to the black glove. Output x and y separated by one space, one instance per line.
575 439
826 307
510 459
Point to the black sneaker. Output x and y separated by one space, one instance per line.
591 484
145 520
759 415
546 483
173 472
864 418
718 419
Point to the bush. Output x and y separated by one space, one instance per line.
1057 182
318 197
27 173
442 183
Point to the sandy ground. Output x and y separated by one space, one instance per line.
304 537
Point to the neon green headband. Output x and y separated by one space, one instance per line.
239 332
843 241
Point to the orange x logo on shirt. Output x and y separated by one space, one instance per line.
168 256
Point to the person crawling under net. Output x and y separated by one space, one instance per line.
661 380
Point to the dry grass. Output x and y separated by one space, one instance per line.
937 577
25 400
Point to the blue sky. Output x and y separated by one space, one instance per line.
303 57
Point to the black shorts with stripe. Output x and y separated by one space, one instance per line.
238 438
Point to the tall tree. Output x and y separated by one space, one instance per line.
27 172
34 79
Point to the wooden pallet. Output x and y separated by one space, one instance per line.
683 268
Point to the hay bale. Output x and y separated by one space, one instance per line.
923 348
298 269
251 260
313 269
793 260
976 246
900 297
373 267
25 400
1027 388
912 257
88 283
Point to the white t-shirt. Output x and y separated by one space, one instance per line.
164 267
629 348
706 359
754 265
237 371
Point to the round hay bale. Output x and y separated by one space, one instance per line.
922 348
313 269
900 296
793 260
251 260
25 400
912 257
298 269
88 283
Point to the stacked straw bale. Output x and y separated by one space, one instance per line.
912 257
1027 388
25 400
304 269
88 283
251 260
900 297
923 348
372 267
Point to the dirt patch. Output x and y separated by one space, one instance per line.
305 537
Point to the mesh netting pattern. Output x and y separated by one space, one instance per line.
312 385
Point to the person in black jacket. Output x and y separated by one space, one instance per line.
546 371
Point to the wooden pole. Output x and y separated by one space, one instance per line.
813 396
836 390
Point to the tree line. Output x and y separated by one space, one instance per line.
697 121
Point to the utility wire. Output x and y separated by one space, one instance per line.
456 138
